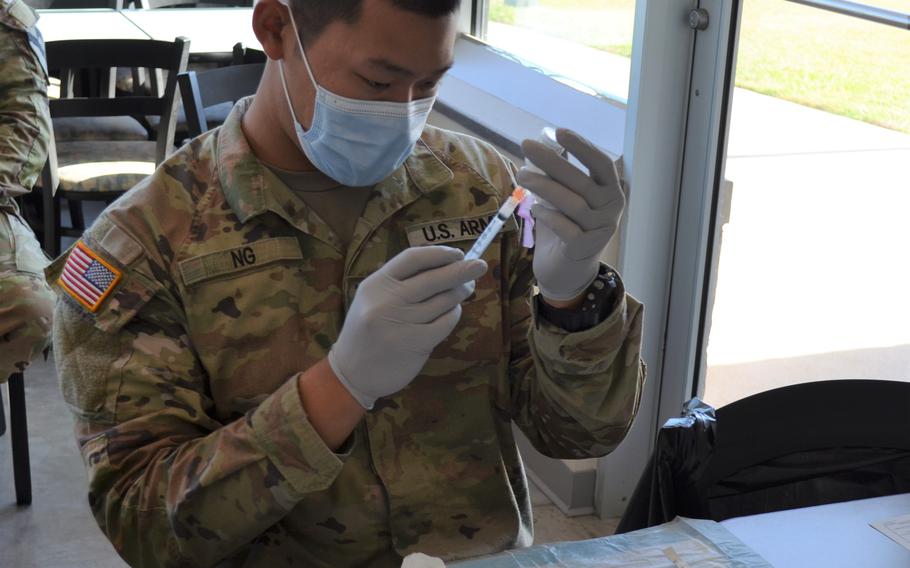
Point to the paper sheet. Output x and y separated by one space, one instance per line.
897 529
682 543
682 554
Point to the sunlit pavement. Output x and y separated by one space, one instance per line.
814 270
815 263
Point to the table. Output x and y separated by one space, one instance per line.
833 536
682 542
57 25
210 30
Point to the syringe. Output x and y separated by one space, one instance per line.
496 224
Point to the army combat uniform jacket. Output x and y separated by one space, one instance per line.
26 302
217 287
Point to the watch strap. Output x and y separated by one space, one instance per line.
599 299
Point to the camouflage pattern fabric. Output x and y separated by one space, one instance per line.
24 115
26 302
183 381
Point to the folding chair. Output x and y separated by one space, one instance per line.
205 89
22 473
102 170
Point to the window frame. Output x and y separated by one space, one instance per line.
652 131
503 98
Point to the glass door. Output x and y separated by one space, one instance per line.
813 272
805 271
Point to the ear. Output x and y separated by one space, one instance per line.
269 19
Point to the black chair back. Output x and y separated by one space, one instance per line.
797 446
809 444
204 89
72 55
244 55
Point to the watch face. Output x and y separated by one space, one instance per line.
599 300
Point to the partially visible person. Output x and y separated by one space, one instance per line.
26 301
275 351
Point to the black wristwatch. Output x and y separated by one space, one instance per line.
600 297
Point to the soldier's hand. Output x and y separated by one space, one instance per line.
399 315
583 213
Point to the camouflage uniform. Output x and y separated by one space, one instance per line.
184 383
26 302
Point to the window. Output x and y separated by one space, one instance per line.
586 44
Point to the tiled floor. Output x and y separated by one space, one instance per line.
58 530
551 525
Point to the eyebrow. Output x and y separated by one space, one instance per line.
399 70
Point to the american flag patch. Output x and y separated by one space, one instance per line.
87 278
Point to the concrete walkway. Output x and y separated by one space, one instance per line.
813 280
814 266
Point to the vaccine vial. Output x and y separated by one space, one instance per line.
547 137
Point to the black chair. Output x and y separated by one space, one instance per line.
107 83
244 55
102 170
215 113
797 446
90 84
22 473
206 89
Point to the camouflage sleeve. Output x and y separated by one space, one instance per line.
169 484
25 124
574 395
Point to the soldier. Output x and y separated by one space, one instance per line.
275 350
26 301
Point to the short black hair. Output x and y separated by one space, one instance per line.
313 16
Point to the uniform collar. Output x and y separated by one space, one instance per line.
251 190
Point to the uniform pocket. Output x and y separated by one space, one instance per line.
90 386
36 152
7 243
127 294
29 256
19 249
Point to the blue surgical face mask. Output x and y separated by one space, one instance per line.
357 143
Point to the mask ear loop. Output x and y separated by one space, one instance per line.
287 94
306 63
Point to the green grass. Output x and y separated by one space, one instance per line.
838 64
624 50
501 13
828 61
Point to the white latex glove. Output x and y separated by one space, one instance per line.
399 315
420 560
581 216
